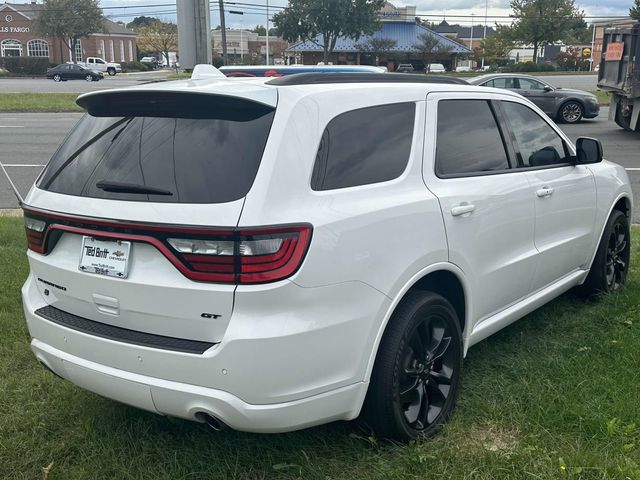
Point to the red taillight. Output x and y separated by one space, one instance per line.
36 230
246 256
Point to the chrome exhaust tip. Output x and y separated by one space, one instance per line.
214 423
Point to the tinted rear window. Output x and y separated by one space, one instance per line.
196 160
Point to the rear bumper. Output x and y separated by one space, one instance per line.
190 401
291 358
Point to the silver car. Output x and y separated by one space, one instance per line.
563 104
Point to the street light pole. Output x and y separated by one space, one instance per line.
224 32
471 42
267 57
484 35
238 12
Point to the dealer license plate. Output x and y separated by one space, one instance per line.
105 257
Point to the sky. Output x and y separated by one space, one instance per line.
254 11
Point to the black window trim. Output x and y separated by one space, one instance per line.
516 147
506 144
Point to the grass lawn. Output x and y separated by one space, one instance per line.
603 97
39 102
554 396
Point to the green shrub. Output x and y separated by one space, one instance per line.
25 65
529 67
136 67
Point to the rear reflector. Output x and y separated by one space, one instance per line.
233 256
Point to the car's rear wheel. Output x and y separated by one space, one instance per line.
89 78
416 376
571 112
611 264
57 78
111 71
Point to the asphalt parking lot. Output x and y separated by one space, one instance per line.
27 141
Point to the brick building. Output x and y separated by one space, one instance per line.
19 37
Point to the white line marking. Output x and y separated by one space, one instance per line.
632 169
22 165
11 126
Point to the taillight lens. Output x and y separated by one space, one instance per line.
35 229
247 257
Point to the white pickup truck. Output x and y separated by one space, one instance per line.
100 65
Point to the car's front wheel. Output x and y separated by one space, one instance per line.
571 112
89 78
611 263
57 78
111 71
416 375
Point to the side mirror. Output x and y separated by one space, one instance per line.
547 88
588 150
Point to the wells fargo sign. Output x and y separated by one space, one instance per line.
614 51
14 29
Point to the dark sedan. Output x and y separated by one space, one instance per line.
71 71
563 104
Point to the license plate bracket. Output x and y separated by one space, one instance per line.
105 257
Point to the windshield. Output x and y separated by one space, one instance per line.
196 160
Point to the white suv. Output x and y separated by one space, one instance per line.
275 254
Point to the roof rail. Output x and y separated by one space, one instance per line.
339 77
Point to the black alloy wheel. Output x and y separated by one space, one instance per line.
416 376
610 266
571 112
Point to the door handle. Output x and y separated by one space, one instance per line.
462 209
544 192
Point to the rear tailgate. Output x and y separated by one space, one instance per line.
620 66
157 182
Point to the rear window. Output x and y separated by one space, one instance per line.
209 158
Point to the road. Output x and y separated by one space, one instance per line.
28 140
42 85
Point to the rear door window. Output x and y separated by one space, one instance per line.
468 139
190 160
365 146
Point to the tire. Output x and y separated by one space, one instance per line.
89 78
571 112
412 393
623 121
611 264
57 78
111 72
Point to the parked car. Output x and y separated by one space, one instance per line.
153 61
405 68
273 255
70 71
564 104
436 68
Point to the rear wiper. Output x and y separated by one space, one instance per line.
119 187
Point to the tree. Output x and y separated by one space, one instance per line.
572 59
430 47
69 20
498 46
262 31
377 46
544 22
159 37
141 21
634 12
324 21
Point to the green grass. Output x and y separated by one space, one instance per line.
603 97
554 396
39 102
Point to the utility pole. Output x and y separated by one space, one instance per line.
223 31
194 32
471 42
484 35
267 62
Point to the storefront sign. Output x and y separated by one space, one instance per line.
14 29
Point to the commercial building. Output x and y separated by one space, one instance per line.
19 38
399 25
247 45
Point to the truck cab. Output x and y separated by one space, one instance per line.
100 65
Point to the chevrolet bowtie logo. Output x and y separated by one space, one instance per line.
119 253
